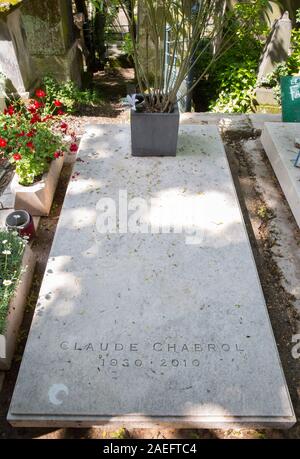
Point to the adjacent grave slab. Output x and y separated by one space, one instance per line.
151 328
278 140
258 120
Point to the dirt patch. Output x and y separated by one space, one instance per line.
258 217
113 86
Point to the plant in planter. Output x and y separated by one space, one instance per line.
33 142
171 38
16 268
12 248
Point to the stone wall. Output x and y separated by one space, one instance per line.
15 61
37 39
51 39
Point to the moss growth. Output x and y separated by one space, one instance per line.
5 5
268 109
120 434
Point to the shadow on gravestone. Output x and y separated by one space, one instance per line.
277 47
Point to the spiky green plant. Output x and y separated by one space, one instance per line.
194 27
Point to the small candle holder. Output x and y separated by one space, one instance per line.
22 222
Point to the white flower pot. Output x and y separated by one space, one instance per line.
37 198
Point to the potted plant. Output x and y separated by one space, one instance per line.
167 43
32 139
16 270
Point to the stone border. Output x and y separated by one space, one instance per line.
281 158
37 199
16 308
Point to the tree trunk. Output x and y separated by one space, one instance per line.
81 8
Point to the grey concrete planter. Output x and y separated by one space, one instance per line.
16 310
154 134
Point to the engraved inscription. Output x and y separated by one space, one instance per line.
155 347
156 356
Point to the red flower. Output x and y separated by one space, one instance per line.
38 104
20 134
73 147
60 112
40 93
47 117
57 154
58 103
64 126
30 145
17 156
9 111
30 134
35 119
32 109
3 143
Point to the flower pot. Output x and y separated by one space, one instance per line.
22 222
37 198
16 310
154 134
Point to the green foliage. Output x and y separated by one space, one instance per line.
12 247
69 94
32 166
288 68
119 434
127 46
29 138
233 78
254 14
98 4
293 62
237 88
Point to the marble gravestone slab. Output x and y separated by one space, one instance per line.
278 140
151 310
